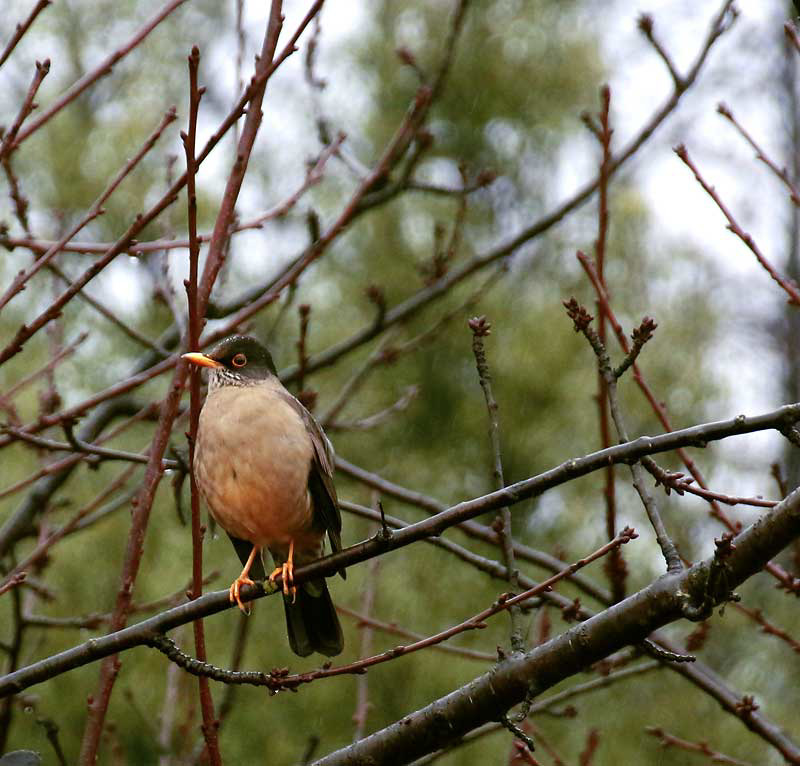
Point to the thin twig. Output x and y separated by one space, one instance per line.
502 524
768 627
363 705
761 155
582 323
28 105
780 574
395 630
615 564
787 285
209 726
12 582
22 28
84 448
47 368
28 330
277 680
101 70
670 740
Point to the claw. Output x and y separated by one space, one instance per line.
233 592
286 573
242 579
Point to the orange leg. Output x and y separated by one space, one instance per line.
286 573
243 579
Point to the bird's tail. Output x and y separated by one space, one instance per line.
311 621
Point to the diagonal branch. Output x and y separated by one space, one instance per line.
518 677
22 28
779 520
101 70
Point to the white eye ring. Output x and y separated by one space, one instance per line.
239 360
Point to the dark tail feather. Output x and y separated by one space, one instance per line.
311 622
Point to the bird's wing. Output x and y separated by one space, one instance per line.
320 476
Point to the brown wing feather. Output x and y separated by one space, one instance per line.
320 476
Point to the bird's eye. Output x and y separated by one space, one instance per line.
240 360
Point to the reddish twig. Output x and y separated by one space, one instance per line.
521 754
12 582
761 155
615 564
28 105
769 628
101 70
143 503
788 286
582 323
22 28
395 630
592 742
669 740
680 484
237 656
791 34
313 176
278 680
363 705
218 245
786 579
68 350
94 211
209 726
646 25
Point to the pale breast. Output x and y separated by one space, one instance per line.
251 465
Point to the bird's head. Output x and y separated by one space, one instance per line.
239 360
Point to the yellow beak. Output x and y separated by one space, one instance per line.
202 360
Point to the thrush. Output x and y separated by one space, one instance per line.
265 470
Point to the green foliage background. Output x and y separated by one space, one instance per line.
522 73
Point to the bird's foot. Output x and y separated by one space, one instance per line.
233 592
286 573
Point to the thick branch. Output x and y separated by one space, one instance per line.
518 677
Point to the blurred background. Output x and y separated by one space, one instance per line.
505 145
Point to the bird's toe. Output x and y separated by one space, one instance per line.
233 593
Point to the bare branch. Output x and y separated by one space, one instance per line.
104 68
22 28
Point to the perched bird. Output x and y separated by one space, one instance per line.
265 469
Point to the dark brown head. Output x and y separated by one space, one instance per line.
238 360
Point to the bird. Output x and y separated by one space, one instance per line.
264 467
